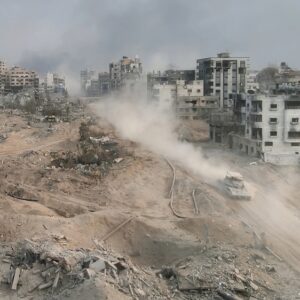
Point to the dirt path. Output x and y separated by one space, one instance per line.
280 224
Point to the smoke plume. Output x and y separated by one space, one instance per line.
154 128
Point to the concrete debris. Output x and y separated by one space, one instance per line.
89 273
98 265
16 278
47 265
95 156
118 160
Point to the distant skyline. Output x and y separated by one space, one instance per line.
69 35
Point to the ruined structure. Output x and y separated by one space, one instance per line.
125 72
15 79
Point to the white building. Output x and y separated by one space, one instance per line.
251 83
223 76
164 94
271 128
55 83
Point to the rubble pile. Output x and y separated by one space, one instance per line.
95 154
218 274
45 269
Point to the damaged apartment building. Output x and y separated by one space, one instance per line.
55 83
259 124
16 79
124 73
94 84
269 127
223 76
178 90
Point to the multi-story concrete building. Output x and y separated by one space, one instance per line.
55 83
252 84
164 94
287 80
223 76
167 77
3 77
85 77
104 83
19 79
185 98
125 72
271 126
190 100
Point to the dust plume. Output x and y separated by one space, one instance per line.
138 120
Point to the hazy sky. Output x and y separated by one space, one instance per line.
72 34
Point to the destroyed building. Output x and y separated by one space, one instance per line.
125 72
223 76
19 78
15 79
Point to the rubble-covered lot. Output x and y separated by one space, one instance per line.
85 215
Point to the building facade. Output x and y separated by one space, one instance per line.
104 83
186 98
3 77
271 126
125 72
85 78
19 79
55 83
223 76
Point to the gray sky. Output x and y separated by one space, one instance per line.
69 35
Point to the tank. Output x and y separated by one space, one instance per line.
235 187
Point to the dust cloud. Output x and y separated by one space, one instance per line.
154 128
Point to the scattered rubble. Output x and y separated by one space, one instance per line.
45 269
95 155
